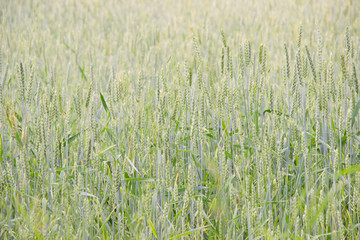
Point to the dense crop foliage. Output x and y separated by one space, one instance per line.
179 119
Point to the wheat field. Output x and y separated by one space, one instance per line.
180 119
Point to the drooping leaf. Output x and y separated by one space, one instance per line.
188 232
152 228
104 102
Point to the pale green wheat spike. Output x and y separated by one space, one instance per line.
176 107
223 38
329 86
305 66
319 59
311 63
222 60
201 115
241 60
330 219
215 123
221 227
38 137
271 221
354 79
142 120
196 50
164 83
191 180
175 193
200 78
296 228
321 200
89 95
266 156
93 118
299 37
287 65
167 171
304 149
87 211
294 92
119 176
344 68
325 92
260 88
164 214
57 103
294 206
299 68
310 93
349 123
335 160
294 82
347 40
352 51
352 98
92 74
111 84
117 89
194 129
305 219
158 90
261 53
247 50
140 82
227 69
112 107
340 225
21 176
183 108
26 165
243 218
79 185
37 93
54 107
43 127
331 80
88 148
1 62
252 88
264 61
230 64
224 165
30 86
21 79
186 203
349 78
224 93
77 102
317 127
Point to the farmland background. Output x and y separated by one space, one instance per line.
179 119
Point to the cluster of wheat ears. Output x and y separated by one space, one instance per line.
159 133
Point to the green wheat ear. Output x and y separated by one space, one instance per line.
21 80
299 37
